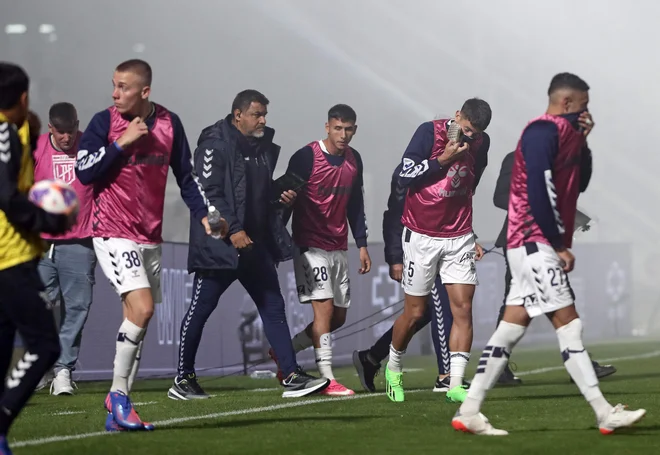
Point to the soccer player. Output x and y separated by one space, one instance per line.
545 184
438 313
333 199
24 306
234 160
439 173
501 200
125 153
68 269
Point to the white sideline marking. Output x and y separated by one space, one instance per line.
67 413
613 359
145 403
174 421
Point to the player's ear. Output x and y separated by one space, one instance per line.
327 127
354 130
146 91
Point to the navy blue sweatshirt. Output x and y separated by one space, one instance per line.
96 156
302 162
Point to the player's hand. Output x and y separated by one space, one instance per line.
240 240
288 198
136 129
219 233
479 252
567 259
586 122
396 272
453 151
365 261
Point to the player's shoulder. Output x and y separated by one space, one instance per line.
356 154
541 126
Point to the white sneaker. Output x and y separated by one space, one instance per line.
620 417
476 424
62 383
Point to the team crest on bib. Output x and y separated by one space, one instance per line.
64 168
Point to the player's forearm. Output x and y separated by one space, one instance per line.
357 218
93 163
26 216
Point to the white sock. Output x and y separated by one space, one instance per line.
324 356
579 366
136 365
128 340
301 342
457 363
491 364
394 364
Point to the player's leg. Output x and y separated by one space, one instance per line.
441 323
208 287
568 327
75 267
420 267
48 274
258 275
459 274
367 362
122 263
341 301
498 349
507 377
25 304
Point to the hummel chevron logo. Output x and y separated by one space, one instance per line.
207 167
206 174
208 159
208 152
5 157
4 136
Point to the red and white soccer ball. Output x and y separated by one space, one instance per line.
54 196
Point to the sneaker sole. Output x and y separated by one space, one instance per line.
360 371
172 394
307 391
440 389
608 431
63 392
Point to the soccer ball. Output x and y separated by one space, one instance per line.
54 196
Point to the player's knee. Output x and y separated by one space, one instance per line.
462 310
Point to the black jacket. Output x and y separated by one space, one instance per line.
220 170
501 194
392 226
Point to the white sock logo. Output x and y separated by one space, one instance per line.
21 368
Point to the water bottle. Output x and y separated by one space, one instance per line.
262 374
214 218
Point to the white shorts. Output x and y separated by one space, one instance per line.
538 281
426 257
129 265
322 275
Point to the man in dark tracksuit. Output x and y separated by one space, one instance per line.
234 163
501 200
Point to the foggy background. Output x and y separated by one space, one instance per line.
397 63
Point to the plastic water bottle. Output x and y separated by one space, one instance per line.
262 374
214 218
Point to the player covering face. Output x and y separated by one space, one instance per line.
441 168
543 196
